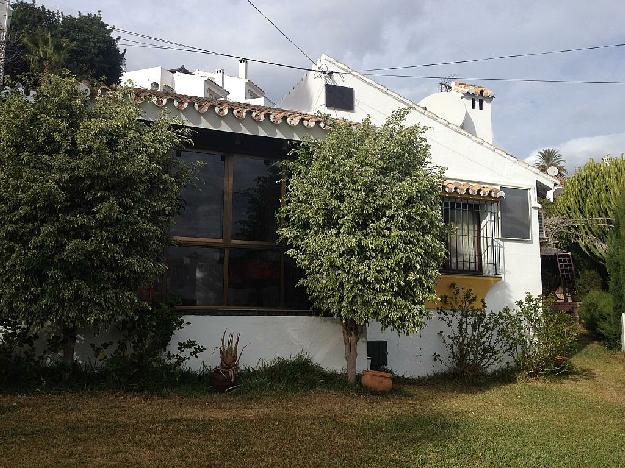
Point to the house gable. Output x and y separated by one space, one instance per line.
464 155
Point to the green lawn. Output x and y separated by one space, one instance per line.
577 421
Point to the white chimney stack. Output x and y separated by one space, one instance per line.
219 75
243 69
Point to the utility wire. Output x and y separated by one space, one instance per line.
182 48
187 48
177 46
519 80
500 57
281 32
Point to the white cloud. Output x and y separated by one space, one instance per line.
377 33
579 150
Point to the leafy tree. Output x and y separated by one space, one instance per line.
616 268
87 192
550 157
43 40
587 207
363 220
45 52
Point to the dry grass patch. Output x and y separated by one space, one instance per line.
575 421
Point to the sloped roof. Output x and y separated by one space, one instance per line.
222 107
461 188
408 103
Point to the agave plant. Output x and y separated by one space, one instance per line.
229 351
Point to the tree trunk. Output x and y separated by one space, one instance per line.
350 339
69 343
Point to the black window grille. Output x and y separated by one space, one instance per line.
473 242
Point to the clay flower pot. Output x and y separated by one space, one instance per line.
377 381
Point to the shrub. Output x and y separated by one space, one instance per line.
616 268
476 340
545 337
588 280
299 373
140 357
600 318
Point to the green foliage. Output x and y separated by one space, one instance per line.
296 374
616 266
599 313
87 194
587 281
589 204
41 39
363 220
546 337
477 341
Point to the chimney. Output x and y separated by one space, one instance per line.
243 69
219 77
477 101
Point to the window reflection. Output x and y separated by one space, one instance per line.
294 296
255 199
196 275
254 278
202 213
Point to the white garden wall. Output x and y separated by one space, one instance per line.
268 337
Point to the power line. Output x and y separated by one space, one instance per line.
500 57
281 32
177 46
191 49
517 80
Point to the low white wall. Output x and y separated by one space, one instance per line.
267 337
411 355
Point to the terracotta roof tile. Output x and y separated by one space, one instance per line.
222 107
470 189
474 89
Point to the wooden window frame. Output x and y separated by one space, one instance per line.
227 243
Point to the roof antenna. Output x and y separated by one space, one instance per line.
445 84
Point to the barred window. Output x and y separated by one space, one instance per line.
473 242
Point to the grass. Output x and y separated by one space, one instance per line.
575 421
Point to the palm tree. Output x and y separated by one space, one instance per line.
551 157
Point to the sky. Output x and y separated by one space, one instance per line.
582 121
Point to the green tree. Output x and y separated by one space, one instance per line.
83 45
87 192
585 211
549 157
362 217
45 52
616 268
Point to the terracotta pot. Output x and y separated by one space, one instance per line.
377 381
222 380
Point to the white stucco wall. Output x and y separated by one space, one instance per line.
268 337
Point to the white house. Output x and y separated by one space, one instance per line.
200 83
227 269
500 262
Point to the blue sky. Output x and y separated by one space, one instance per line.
582 120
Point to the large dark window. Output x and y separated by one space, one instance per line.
255 199
202 211
226 254
515 214
254 278
196 275
473 244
